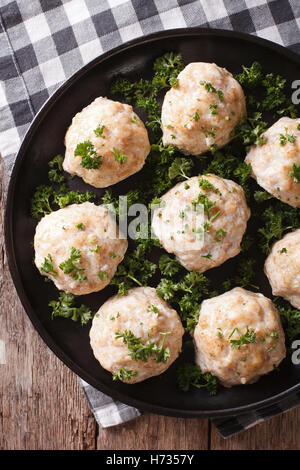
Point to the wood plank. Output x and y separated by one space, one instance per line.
41 404
279 433
153 432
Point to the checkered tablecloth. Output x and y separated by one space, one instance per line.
43 42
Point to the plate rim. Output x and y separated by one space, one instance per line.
8 232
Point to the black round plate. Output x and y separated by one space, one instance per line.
68 340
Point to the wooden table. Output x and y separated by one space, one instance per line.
43 407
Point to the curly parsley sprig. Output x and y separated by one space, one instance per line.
65 307
140 351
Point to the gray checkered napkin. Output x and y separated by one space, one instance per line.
43 42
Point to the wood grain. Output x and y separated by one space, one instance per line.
281 432
156 433
42 405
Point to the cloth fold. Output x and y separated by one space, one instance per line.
42 43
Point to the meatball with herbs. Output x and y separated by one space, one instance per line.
201 112
136 336
106 143
239 337
79 248
202 221
282 268
275 163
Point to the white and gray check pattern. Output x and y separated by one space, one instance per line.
44 42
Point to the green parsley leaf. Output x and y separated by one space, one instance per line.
95 250
47 266
99 131
261 196
211 89
284 138
180 169
88 154
246 338
169 266
70 265
189 375
124 375
277 219
295 173
55 173
251 76
220 234
41 201
119 156
65 307
196 116
102 275
143 351
290 318
135 269
213 108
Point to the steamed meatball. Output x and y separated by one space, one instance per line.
276 164
239 337
79 248
203 109
202 221
142 317
282 268
105 143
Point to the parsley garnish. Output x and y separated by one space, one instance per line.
295 173
141 351
211 89
55 173
65 307
250 130
196 116
96 250
64 197
187 293
213 108
181 168
290 318
124 374
284 138
135 269
47 266
251 76
277 219
168 266
245 273
102 275
41 201
261 196
70 265
246 338
119 156
144 92
99 131
88 154
81 226
191 375
220 234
